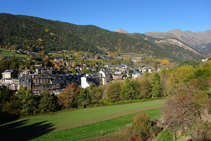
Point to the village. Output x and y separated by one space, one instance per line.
54 79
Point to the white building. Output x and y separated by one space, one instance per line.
97 78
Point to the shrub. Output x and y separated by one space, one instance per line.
142 128
165 136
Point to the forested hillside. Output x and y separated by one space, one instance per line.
32 33
19 32
107 40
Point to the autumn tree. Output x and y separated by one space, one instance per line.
74 64
113 91
187 109
72 70
69 97
144 89
142 128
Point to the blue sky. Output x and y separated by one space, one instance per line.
131 15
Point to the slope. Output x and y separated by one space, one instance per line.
32 33
175 47
19 32
197 40
107 40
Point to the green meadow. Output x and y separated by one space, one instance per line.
77 124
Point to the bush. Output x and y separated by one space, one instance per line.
165 136
142 128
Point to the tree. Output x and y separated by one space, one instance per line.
113 91
129 90
72 70
12 108
27 101
156 87
84 70
69 97
187 109
47 102
85 96
142 128
4 96
74 64
144 89
98 94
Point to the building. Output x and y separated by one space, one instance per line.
24 72
41 70
9 74
41 80
135 75
96 78
117 76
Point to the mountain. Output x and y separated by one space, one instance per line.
21 32
174 46
198 40
121 31
32 33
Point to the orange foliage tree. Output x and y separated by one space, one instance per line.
55 65
69 97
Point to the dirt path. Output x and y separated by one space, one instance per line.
86 122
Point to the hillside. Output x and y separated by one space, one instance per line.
198 40
107 40
20 32
174 46
32 33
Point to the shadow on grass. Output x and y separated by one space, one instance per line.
20 131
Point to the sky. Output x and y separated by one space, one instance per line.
131 15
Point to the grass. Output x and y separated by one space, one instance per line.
4 52
64 118
96 129
31 127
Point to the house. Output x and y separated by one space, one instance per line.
116 66
24 72
135 75
129 75
117 76
40 70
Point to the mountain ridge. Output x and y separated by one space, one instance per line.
34 33
197 40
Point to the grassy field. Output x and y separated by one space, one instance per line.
6 52
35 126
96 129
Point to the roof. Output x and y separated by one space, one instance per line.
9 71
112 66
